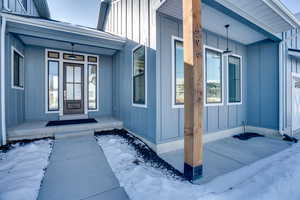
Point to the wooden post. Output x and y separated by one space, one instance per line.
193 89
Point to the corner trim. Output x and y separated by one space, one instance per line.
3 111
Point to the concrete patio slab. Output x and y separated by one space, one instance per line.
226 155
77 170
38 129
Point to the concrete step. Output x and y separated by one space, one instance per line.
67 134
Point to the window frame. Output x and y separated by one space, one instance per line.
48 96
205 47
132 77
173 40
13 50
97 86
60 96
241 79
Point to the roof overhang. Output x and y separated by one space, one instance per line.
42 28
266 17
294 53
43 8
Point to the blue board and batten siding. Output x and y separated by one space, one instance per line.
131 19
263 85
291 39
16 6
259 109
29 104
15 98
35 86
216 118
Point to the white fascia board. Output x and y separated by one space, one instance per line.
60 26
283 12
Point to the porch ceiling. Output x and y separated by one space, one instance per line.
250 21
60 35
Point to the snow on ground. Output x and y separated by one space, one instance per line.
276 177
21 170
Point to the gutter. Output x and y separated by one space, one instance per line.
63 27
2 69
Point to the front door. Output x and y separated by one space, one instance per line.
73 88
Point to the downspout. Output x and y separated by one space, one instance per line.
2 71
281 88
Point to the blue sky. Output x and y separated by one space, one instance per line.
81 12
293 5
85 12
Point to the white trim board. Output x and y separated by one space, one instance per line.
222 75
146 78
173 39
208 137
14 49
241 77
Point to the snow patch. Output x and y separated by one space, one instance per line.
22 170
275 177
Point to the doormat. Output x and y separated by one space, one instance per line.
71 122
247 136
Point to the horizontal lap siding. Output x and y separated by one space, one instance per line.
216 118
263 82
15 111
35 86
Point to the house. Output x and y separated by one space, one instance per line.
130 69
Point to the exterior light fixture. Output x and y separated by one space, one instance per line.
227 51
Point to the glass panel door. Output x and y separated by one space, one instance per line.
73 89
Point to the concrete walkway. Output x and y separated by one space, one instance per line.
78 170
226 155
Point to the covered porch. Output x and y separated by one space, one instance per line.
57 71
255 35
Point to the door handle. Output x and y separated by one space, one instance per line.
65 94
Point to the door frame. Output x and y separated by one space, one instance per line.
82 100
294 76
61 61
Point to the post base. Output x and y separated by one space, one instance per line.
193 173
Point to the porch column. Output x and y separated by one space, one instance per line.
193 89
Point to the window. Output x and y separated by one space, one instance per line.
24 3
178 70
74 57
53 54
139 78
53 97
213 76
92 59
92 87
234 79
18 70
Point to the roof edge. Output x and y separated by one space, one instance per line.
59 26
283 11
